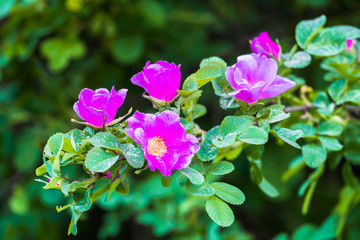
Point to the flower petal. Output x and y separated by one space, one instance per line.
278 86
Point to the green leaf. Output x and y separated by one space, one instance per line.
220 168
276 113
314 155
336 89
55 143
289 136
254 135
308 131
351 96
330 128
228 102
228 193
214 61
307 29
234 124
113 186
203 190
207 73
123 188
199 111
84 204
332 40
255 172
268 189
228 140
207 152
219 212
194 176
97 160
105 140
5 7
331 144
322 102
348 175
134 155
60 51
127 49
298 60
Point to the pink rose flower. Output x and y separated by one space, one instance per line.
161 80
349 44
96 106
254 77
265 46
163 139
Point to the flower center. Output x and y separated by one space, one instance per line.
156 147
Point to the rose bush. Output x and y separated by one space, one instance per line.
172 141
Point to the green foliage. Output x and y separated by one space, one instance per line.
45 60
219 212
306 30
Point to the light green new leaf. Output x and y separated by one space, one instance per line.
206 74
228 193
220 168
214 61
219 212
254 135
314 155
97 160
289 136
194 176
306 30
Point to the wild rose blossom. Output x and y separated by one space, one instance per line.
349 44
265 46
163 139
254 77
161 80
94 106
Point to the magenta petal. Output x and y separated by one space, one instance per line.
265 46
161 80
163 139
94 106
278 86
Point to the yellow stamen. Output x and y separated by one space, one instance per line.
156 147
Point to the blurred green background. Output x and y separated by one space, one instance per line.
51 49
